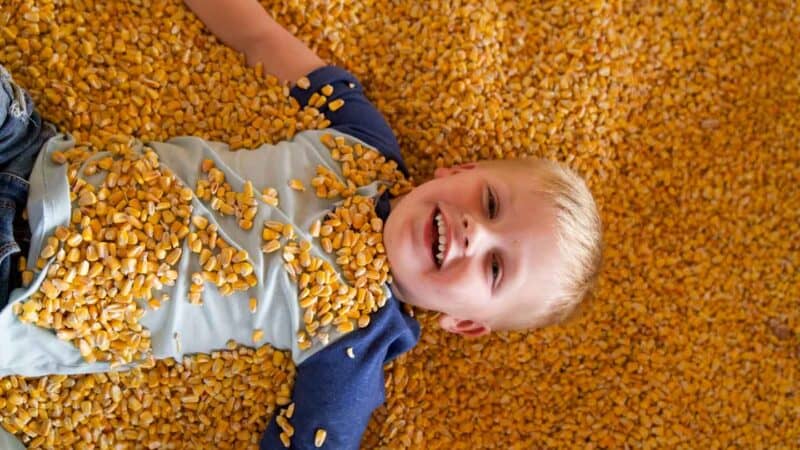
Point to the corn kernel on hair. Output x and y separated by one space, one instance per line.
580 240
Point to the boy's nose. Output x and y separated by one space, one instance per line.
472 233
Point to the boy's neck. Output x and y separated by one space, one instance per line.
395 292
392 286
393 201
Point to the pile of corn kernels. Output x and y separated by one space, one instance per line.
221 400
682 116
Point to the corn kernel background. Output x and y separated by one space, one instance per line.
682 115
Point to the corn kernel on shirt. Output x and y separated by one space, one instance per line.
332 390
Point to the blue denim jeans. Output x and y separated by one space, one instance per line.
22 135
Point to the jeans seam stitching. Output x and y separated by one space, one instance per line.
17 178
8 245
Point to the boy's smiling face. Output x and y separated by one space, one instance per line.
501 259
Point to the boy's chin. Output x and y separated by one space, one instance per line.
401 294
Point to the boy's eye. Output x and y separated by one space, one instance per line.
491 203
495 269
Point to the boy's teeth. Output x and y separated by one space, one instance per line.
442 239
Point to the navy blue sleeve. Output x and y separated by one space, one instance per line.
337 393
358 117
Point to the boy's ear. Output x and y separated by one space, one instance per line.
466 328
447 171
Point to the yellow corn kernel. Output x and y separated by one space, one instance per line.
297 185
336 104
345 327
274 225
271 246
87 198
27 277
272 201
284 437
318 101
58 157
303 83
200 222
288 231
257 336
319 437
315 228
268 234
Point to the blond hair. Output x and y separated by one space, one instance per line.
579 235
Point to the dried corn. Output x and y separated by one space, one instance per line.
705 87
133 184
145 407
319 437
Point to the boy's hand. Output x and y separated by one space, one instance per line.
245 26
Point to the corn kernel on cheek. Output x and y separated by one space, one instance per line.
683 117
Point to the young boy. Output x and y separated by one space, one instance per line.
491 245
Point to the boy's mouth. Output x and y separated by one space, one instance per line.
439 239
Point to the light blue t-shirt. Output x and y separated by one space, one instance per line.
179 327
332 390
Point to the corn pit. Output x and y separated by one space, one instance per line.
682 117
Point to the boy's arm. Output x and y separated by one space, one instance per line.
248 28
336 392
245 26
333 393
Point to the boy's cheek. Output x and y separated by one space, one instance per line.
401 255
